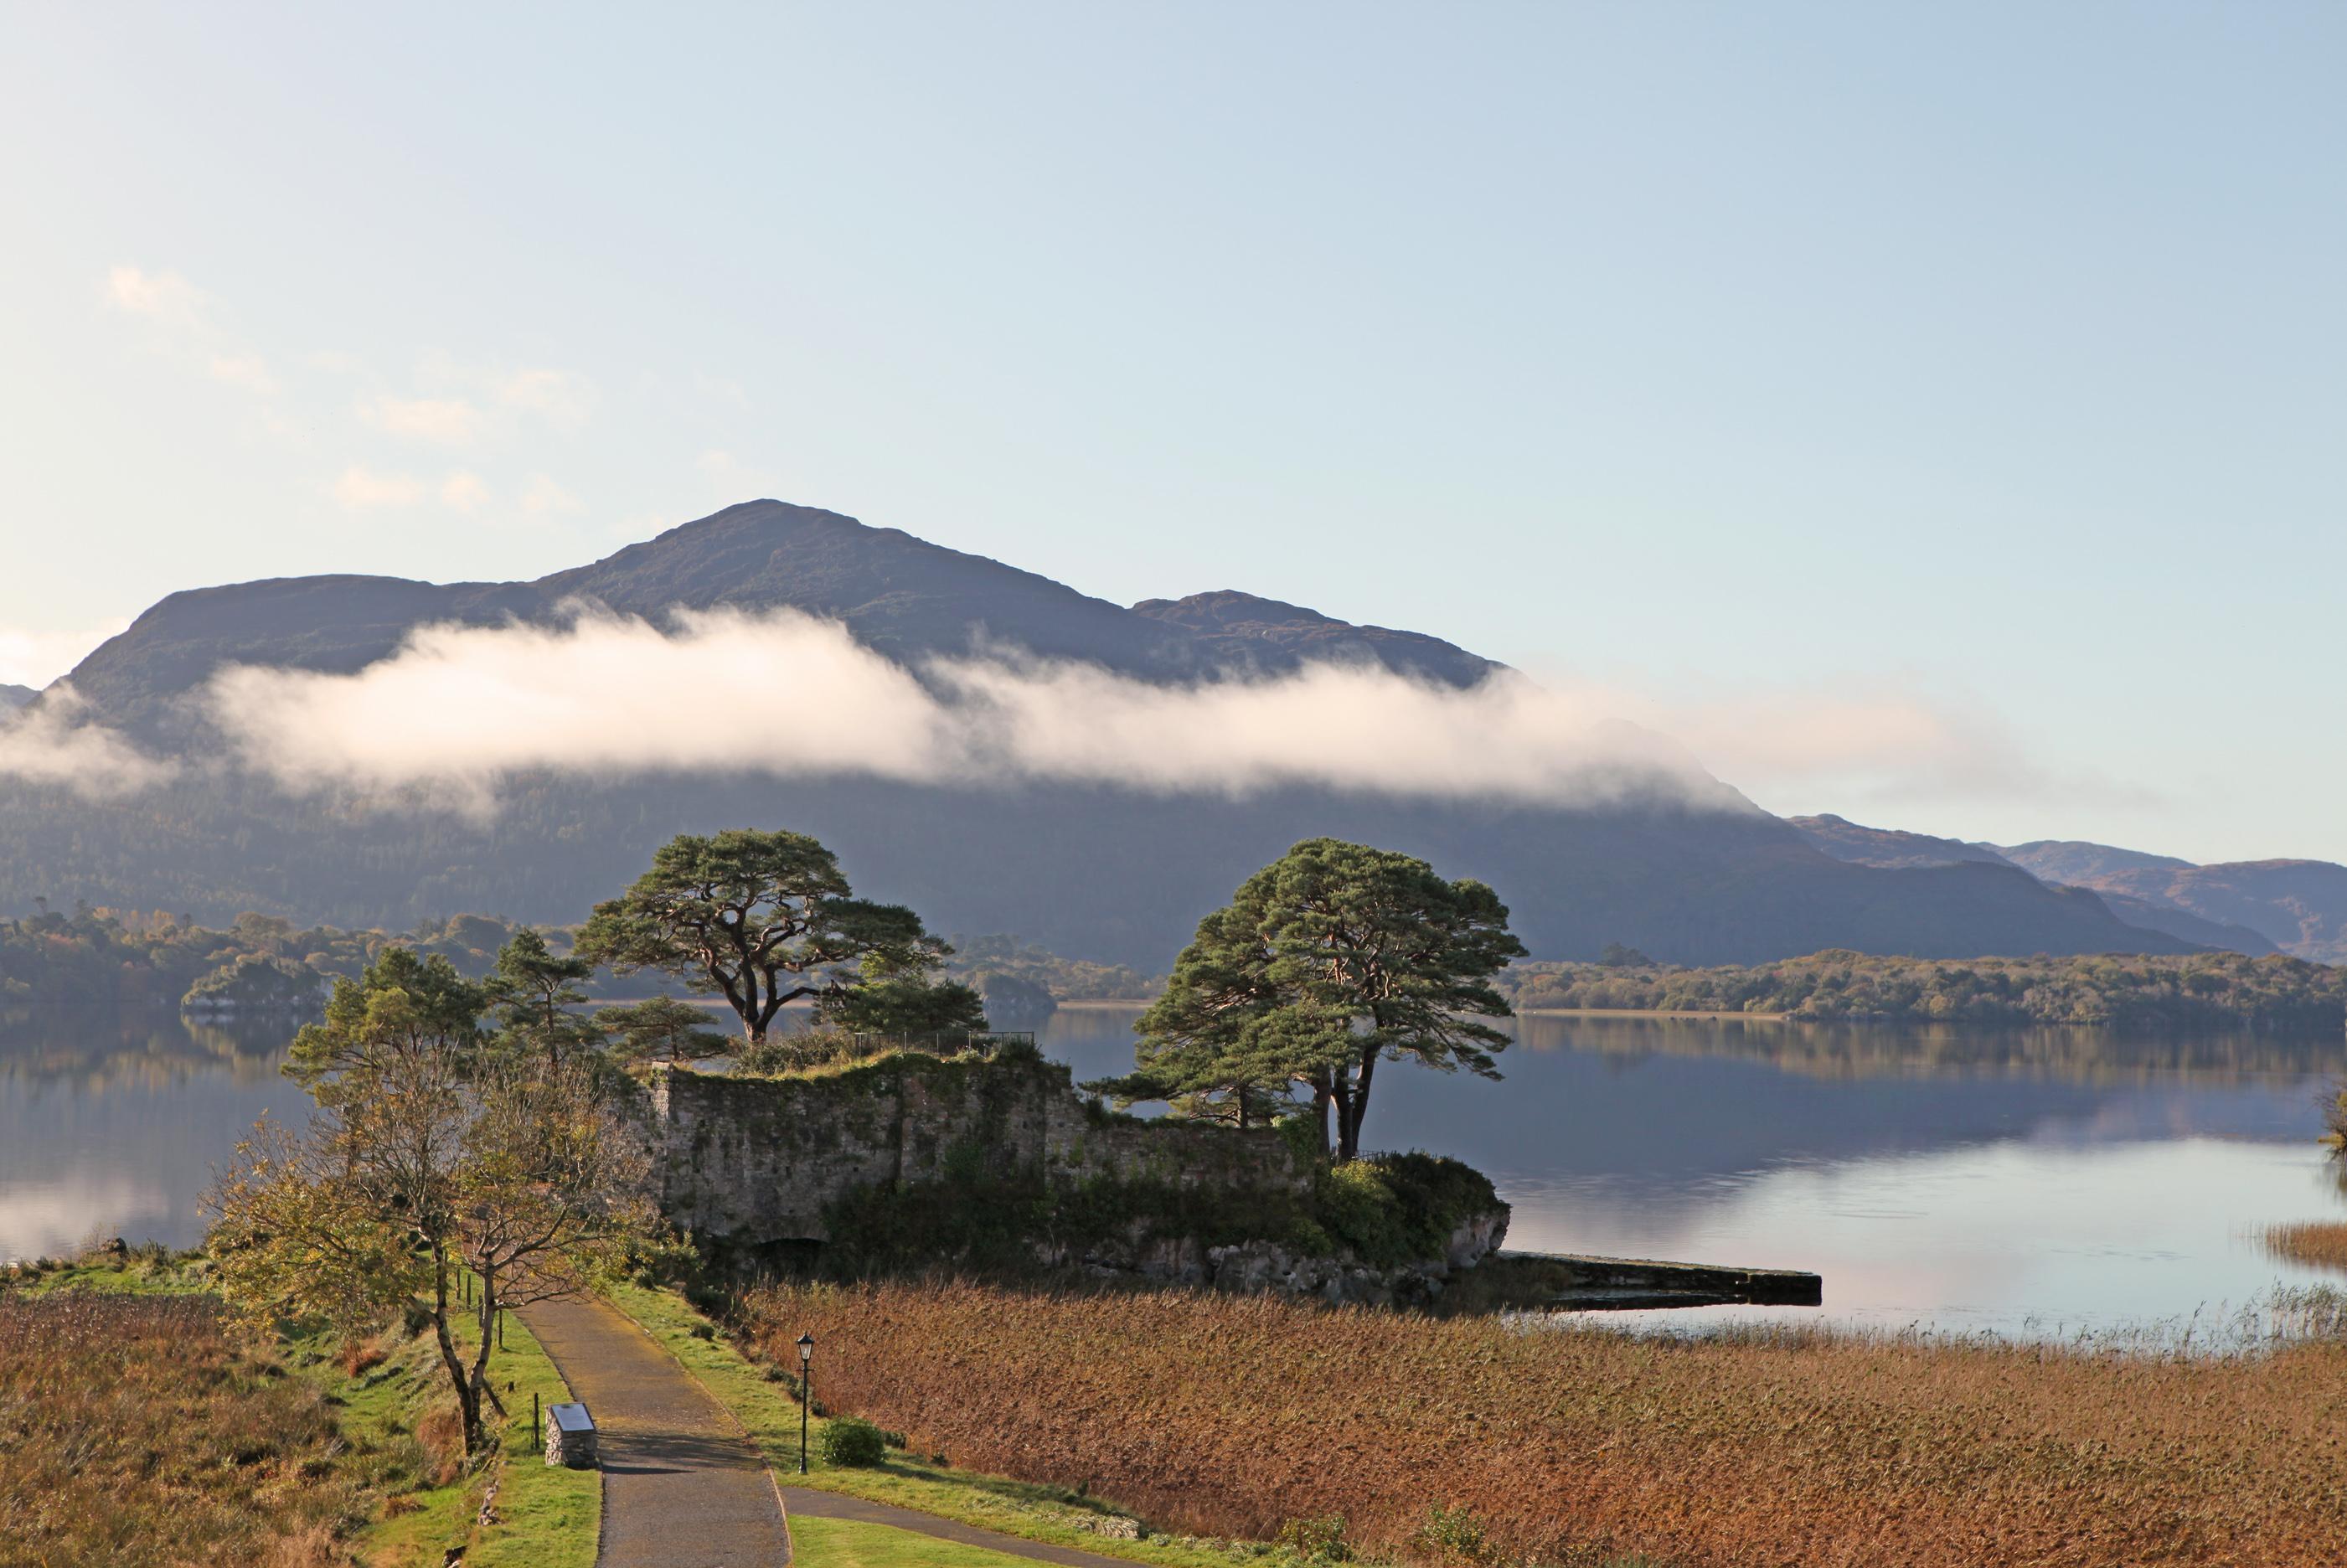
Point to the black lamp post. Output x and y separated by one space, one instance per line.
806 1393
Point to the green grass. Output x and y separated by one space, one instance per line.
766 1408
852 1543
548 1516
545 1516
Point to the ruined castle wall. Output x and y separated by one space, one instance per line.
751 1162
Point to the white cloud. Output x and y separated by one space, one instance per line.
463 492
36 658
244 370
541 497
55 743
560 396
449 421
164 297
363 487
457 707
189 331
1866 744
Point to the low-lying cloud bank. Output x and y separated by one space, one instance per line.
54 743
458 707
458 710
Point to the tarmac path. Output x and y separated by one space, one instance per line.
683 1486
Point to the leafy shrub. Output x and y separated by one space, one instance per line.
1319 1540
1400 1208
1453 1536
853 1442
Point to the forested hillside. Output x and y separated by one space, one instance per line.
2203 991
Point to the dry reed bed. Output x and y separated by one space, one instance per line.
1228 1416
2322 1244
134 1434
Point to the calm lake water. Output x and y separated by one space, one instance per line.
2041 1184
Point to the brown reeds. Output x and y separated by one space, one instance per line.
1575 1444
133 1434
2319 1244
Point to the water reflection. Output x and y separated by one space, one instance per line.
2040 1182
111 1124
2037 1181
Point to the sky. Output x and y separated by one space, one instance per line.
1973 375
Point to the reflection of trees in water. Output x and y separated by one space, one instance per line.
99 1050
1848 1050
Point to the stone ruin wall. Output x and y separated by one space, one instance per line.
755 1161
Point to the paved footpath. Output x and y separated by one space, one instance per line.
683 1487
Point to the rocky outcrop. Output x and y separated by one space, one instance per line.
1269 1267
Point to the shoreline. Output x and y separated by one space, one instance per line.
1719 1013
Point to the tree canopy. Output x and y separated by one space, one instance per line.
763 919
535 991
661 1029
1329 962
895 995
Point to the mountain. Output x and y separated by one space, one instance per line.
905 597
1893 849
1237 626
2183 923
1888 848
15 696
2299 906
1095 872
2077 863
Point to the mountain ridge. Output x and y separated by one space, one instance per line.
1098 872
903 596
2299 906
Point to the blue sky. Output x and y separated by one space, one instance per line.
1967 376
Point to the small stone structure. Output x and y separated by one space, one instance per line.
570 1437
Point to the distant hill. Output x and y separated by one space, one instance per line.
2301 905
1889 847
1894 850
15 696
903 596
1235 626
2078 864
1098 873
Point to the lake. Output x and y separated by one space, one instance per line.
2041 1183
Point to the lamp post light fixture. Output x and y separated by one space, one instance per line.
806 1393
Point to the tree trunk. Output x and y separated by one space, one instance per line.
1357 1107
489 1327
468 1400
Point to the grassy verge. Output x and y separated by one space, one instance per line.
851 1543
540 1516
363 1435
761 1397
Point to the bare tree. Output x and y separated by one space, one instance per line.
428 1159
